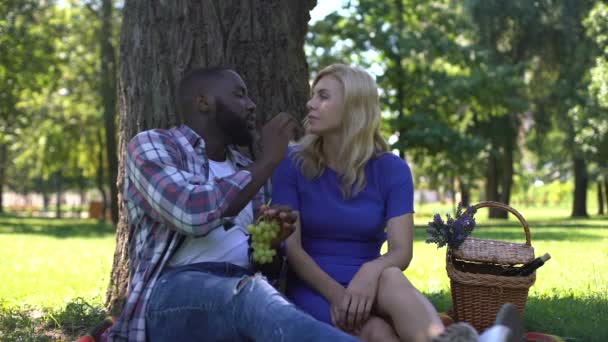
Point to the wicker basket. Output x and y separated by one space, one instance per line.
474 268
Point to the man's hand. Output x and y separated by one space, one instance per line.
287 220
276 135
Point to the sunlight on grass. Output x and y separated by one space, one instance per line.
46 262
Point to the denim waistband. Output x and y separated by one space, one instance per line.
224 269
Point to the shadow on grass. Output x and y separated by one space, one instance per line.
573 319
22 323
58 228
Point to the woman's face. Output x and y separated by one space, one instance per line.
326 107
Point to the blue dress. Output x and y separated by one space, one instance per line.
341 235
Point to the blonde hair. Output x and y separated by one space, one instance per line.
360 130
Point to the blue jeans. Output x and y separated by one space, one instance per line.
224 302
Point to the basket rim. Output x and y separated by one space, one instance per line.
489 280
508 208
461 252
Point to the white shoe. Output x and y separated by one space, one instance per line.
458 332
496 333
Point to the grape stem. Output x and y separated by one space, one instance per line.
262 217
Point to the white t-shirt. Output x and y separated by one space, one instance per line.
219 245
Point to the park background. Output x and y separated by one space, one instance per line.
486 100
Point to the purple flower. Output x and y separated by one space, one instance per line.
455 230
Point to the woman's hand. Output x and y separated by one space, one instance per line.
359 297
335 302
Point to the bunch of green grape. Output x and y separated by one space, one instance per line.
262 235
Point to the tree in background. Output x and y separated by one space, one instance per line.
472 87
26 66
160 41
437 83
594 136
62 147
108 76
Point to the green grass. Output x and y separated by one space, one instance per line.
54 273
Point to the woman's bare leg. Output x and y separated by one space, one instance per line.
376 329
414 317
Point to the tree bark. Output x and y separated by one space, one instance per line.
581 179
161 40
108 93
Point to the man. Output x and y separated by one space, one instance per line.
190 196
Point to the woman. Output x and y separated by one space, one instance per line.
352 195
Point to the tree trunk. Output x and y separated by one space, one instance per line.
492 182
108 93
507 177
45 200
600 198
161 40
58 193
579 207
100 179
3 160
400 74
606 191
82 193
465 192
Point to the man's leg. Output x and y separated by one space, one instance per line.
263 314
191 305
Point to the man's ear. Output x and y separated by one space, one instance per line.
205 103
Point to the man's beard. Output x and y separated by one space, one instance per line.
234 127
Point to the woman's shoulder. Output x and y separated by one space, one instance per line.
391 170
289 162
389 162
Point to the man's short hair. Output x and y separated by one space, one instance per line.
193 83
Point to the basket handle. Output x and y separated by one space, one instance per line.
490 204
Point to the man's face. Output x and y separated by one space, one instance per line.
235 110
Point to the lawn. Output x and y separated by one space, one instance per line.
54 273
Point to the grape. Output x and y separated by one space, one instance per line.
262 234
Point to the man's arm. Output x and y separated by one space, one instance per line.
275 138
180 199
187 202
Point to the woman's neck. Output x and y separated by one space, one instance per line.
331 151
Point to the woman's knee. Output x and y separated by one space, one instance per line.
392 277
377 329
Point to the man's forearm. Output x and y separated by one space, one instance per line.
260 171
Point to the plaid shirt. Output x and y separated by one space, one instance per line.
168 196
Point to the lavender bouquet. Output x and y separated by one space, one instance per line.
455 230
